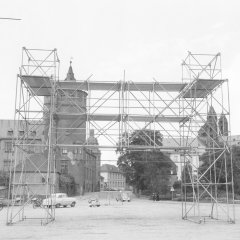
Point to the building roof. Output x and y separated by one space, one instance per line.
70 74
110 168
36 162
92 140
176 142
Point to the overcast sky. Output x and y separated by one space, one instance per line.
146 38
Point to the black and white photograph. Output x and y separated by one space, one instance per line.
119 120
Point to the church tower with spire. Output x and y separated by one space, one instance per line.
70 111
70 74
69 129
208 133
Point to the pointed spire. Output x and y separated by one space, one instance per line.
70 74
223 125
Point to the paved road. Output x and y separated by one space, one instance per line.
139 219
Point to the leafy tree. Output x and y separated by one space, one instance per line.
67 184
208 158
177 185
146 169
187 177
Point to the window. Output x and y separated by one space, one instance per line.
6 164
8 147
33 133
64 167
10 133
31 149
21 133
64 151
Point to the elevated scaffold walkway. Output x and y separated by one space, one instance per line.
181 111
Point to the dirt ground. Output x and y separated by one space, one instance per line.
138 219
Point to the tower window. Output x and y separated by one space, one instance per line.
10 133
33 133
8 147
64 167
64 151
21 133
6 164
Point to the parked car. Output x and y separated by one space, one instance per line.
36 202
58 200
93 202
123 197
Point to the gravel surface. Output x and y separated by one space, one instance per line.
138 219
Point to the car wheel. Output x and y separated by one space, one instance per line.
73 204
58 205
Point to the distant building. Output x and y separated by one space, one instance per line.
92 140
90 182
176 156
78 164
102 184
114 179
7 135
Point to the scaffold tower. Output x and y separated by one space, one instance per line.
33 156
207 174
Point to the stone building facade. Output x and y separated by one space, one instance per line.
92 140
77 167
113 178
8 135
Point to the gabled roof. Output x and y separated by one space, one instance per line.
109 168
70 74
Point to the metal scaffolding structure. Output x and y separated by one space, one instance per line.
30 117
207 172
179 110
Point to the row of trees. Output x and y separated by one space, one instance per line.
216 173
151 170
222 164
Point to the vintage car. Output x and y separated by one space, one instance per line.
93 202
58 200
123 197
